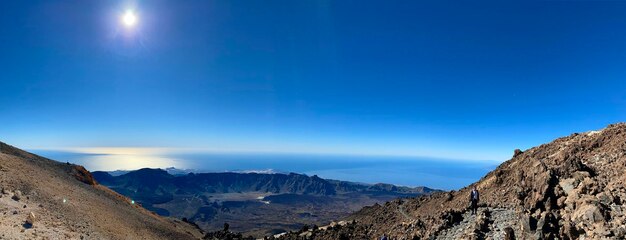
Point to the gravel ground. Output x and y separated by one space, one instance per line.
66 206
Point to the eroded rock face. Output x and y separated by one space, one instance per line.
570 188
81 174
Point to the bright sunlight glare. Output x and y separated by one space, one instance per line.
129 19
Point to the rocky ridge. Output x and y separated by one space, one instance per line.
152 180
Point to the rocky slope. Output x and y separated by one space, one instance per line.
571 188
45 199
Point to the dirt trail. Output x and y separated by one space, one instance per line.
403 213
497 219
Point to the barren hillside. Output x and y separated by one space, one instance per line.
45 199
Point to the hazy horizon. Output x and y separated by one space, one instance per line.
447 174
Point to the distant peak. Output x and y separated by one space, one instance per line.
149 171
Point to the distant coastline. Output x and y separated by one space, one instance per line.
402 171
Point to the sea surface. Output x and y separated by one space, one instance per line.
446 174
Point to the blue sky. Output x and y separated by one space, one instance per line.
470 80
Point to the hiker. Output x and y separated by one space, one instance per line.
384 237
474 198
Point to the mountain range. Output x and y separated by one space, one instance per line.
249 201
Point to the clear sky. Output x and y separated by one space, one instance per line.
471 80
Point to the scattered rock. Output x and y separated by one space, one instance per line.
620 232
31 219
17 195
306 235
587 214
219 235
509 234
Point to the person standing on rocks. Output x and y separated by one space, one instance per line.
474 198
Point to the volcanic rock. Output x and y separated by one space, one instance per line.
570 188
31 219
17 195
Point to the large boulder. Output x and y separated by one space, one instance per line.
587 213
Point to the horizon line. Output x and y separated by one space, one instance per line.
156 151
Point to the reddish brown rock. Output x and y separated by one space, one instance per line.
566 189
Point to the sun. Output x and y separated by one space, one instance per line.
129 19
